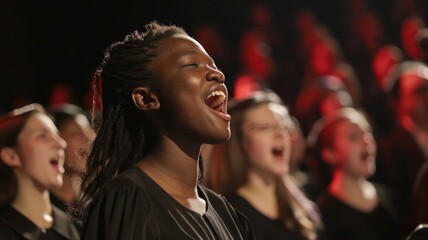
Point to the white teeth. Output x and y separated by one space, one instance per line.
217 93
220 97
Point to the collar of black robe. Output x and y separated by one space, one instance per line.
27 229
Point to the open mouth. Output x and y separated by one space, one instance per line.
55 163
365 156
278 151
216 100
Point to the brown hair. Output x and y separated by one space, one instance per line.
228 171
11 125
321 136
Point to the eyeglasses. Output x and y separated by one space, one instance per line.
266 127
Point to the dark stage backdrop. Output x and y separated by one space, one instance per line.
46 43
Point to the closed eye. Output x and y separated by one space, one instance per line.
42 135
191 65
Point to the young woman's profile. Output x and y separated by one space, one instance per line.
162 98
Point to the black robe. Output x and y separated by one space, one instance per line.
343 221
133 206
15 226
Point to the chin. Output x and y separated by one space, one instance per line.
280 172
220 137
219 140
367 173
59 181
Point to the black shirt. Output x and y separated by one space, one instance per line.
133 206
263 226
15 226
342 221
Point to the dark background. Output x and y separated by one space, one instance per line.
44 43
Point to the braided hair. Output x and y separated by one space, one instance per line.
125 135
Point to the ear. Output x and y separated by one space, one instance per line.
329 156
9 157
145 99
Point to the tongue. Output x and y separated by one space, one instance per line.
209 101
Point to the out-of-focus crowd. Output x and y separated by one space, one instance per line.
340 124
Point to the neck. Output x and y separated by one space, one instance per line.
260 192
180 171
347 186
356 192
33 203
176 171
259 183
344 181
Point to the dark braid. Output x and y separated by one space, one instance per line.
121 139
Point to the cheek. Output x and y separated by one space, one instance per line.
73 146
256 147
352 157
346 153
28 152
31 157
70 158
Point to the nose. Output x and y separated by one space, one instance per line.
281 131
293 136
368 138
215 75
60 142
89 136
287 137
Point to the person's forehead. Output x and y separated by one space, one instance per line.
265 113
77 122
179 43
254 112
38 121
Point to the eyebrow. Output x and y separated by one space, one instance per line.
190 52
194 52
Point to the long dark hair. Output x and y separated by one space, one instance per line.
125 136
11 126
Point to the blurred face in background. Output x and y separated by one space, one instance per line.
414 96
79 136
266 141
257 57
40 151
408 31
383 62
323 57
353 147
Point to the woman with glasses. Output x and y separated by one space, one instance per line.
251 169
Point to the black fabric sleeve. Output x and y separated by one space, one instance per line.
120 212
230 215
247 230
